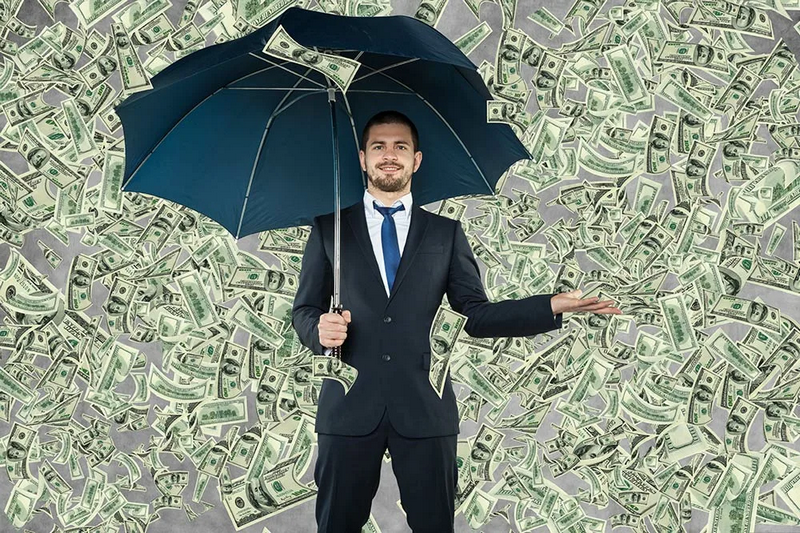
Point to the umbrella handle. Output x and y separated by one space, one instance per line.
337 350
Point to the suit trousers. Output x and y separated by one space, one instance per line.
348 471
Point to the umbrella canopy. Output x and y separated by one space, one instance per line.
245 138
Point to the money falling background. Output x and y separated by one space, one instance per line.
665 176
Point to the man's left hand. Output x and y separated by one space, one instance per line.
571 302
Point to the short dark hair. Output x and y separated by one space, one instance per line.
390 117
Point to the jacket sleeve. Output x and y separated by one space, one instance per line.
314 291
507 318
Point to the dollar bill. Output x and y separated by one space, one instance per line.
340 70
327 367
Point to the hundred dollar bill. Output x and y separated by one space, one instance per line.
446 327
113 171
340 70
171 483
703 392
118 306
25 107
134 78
748 312
280 484
474 37
24 290
721 345
22 501
160 227
430 11
82 138
506 113
658 144
487 442
771 194
245 318
478 508
591 381
627 77
264 279
229 370
509 51
244 451
679 326
164 387
738 91
327 367
697 55
789 490
547 82
214 460
196 299
738 425
731 16
81 275
18 451
674 93
547 20
251 501
226 411
465 372
45 162
643 411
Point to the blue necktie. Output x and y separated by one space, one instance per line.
391 250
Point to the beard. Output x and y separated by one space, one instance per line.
389 182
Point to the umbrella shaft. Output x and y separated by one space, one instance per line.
336 194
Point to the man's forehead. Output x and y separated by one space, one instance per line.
383 139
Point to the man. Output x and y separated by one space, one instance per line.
393 303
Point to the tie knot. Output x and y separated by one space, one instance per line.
388 211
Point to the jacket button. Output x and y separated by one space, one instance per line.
386 357
387 319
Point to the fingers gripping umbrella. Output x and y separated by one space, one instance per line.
248 139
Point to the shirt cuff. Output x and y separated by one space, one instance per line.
328 351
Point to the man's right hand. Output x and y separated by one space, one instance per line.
333 328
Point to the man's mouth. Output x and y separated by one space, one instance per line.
389 168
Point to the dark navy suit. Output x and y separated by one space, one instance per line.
392 404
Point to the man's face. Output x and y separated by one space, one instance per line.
390 145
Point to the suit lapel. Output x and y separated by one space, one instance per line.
416 232
358 226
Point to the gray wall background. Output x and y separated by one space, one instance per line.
456 20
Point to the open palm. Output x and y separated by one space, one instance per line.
571 302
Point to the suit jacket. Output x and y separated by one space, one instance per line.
387 339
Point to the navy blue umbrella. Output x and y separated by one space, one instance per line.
251 141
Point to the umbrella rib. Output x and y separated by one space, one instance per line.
288 70
491 189
380 70
261 148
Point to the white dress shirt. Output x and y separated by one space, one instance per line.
402 221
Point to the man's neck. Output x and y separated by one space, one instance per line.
387 198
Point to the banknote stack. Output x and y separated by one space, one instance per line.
665 175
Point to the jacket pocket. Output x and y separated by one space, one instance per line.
426 360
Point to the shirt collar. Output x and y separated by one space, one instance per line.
371 212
